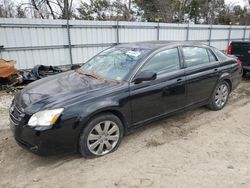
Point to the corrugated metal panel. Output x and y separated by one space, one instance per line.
199 32
94 34
173 32
237 32
29 58
34 34
137 31
221 45
247 34
36 41
221 32
81 55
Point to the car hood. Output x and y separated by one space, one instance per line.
58 90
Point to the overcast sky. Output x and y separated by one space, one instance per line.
238 2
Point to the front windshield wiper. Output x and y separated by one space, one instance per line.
91 75
88 74
95 76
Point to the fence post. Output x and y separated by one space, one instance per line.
158 31
0 52
210 34
69 42
1 46
229 35
117 32
187 37
244 34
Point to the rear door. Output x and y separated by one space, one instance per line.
202 72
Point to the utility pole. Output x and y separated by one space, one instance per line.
66 10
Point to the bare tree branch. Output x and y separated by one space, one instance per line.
60 4
36 8
51 10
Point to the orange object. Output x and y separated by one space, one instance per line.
7 68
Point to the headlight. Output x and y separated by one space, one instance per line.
45 117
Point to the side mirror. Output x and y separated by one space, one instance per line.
144 76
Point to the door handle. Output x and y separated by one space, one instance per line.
216 70
180 80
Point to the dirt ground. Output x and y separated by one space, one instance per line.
200 148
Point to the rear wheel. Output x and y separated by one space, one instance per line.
244 73
220 96
101 136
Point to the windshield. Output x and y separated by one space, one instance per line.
114 63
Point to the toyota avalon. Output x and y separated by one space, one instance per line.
90 109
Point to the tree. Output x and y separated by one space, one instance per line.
197 9
170 11
105 10
7 9
182 6
20 12
66 8
241 15
120 11
159 10
56 9
224 16
205 11
95 10
215 8
149 8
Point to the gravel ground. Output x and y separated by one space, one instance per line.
200 148
5 102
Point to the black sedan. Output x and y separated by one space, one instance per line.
90 109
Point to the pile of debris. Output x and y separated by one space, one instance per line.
9 76
12 79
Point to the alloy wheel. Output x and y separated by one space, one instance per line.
103 138
221 95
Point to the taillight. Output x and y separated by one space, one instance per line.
239 62
229 49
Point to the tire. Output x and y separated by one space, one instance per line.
102 135
218 100
244 73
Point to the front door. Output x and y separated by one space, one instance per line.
161 96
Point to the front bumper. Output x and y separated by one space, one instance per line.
45 142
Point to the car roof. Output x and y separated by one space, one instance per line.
152 45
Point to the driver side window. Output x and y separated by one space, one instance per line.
163 62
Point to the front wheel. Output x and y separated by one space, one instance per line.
101 136
220 96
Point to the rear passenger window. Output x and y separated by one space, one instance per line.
195 56
211 56
163 62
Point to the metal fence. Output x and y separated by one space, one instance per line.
53 42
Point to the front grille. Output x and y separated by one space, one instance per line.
16 114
